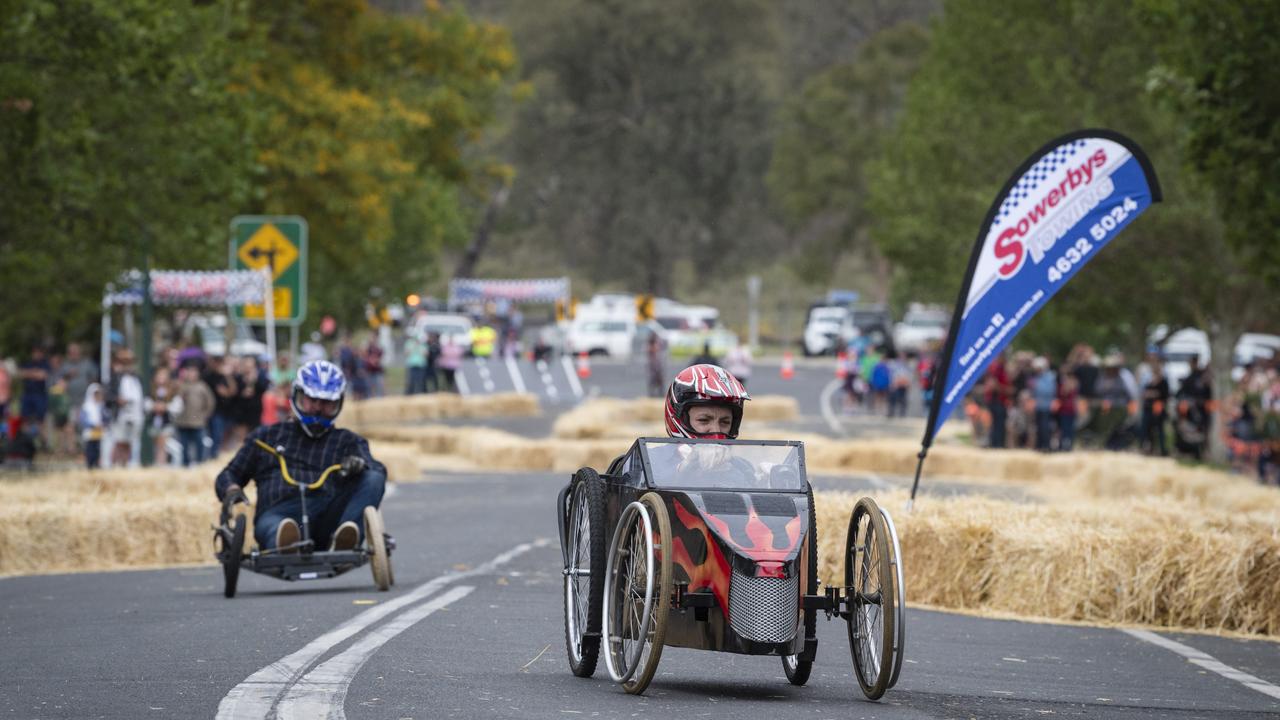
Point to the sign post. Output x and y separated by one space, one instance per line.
279 244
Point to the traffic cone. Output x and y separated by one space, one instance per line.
841 371
788 370
584 366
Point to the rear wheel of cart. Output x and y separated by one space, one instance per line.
872 598
231 553
798 670
638 593
584 575
379 560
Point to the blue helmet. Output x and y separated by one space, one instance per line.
321 380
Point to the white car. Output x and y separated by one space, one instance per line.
601 336
823 330
920 329
451 325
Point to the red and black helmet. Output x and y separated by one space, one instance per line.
703 385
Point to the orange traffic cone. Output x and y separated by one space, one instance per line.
584 366
841 372
788 370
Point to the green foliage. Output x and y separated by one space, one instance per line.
1001 79
829 131
115 122
645 145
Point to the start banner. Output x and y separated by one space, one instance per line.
1055 214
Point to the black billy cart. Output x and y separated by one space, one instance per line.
712 545
300 560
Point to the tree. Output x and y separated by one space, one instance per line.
828 133
115 120
644 147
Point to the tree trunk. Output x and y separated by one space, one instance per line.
467 266
1222 343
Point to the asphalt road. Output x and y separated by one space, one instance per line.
464 636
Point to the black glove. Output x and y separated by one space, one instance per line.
352 465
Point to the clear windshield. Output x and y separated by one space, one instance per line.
678 463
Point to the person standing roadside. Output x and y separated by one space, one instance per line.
35 388
1044 389
431 374
78 372
197 407
450 361
1155 400
6 391
655 356
997 394
738 362
415 364
124 402
223 388
373 367
91 418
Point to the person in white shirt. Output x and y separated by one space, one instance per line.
738 363
124 402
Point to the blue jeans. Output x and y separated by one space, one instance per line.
326 512
192 440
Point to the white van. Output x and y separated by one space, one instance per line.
601 335
823 330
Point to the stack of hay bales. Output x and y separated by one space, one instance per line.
495 450
613 418
434 406
1165 558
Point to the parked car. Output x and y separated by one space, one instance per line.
601 336
211 331
452 325
822 331
921 328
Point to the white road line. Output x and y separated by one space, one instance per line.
460 379
572 375
1208 662
828 413
516 378
322 692
256 696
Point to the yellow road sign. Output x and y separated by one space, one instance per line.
268 247
283 302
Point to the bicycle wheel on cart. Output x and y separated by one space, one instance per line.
230 554
870 578
379 559
584 571
637 593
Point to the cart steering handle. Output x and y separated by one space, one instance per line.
284 470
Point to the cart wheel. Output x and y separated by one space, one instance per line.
379 561
900 599
232 552
391 571
873 610
637 593
798 670
584 576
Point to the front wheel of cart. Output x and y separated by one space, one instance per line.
584 574
637 593
872 611
379 559
798 670
231 554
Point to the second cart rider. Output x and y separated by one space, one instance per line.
307 444
705 401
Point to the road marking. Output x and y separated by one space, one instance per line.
828 413
572 375
516 378
1208 662
460 379
322 692
256 697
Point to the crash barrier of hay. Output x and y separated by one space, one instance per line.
110 519
434 406
1151 560
494 450
613 418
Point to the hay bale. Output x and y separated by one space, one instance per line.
434 406
614 418
1137 560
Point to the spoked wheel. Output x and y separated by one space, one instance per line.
231 553
584 575
637 593
379 560
798 670
872 597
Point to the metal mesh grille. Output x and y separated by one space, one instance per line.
764 609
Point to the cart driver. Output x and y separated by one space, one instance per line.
704 402
307 444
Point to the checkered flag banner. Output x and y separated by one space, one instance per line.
1060 208
533 290
192 288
